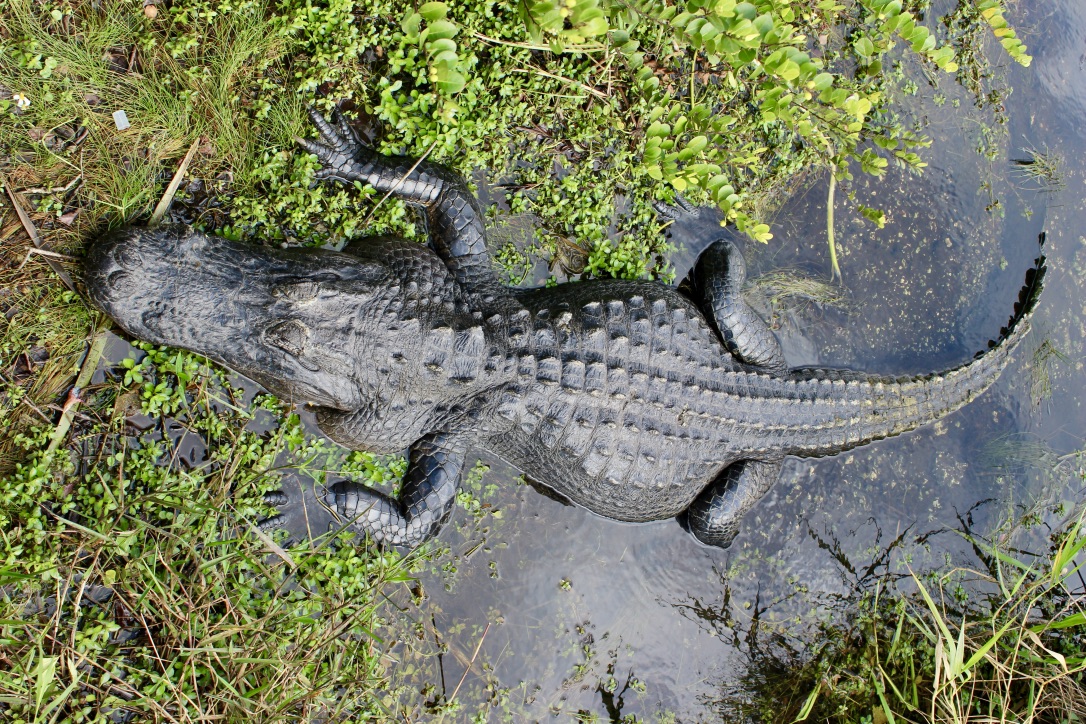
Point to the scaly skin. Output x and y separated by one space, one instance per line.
638 401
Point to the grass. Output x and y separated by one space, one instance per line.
132 583
1043 168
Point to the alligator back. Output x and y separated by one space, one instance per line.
613 403
627 403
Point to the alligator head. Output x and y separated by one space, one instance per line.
288 319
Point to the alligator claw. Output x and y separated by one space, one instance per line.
336 136
273 499
276 498
338 149
328 133
321 152
269 524
681 209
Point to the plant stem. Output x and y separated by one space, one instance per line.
90 363
836 270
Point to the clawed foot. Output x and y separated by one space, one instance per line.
339 148
274 499
682 210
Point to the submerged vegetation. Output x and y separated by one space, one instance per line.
134 581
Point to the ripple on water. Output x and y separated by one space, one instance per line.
1061 58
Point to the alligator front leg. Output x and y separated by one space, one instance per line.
713 517
454 216
426 499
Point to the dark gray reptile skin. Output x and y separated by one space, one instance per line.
633 399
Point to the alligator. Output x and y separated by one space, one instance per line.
634 399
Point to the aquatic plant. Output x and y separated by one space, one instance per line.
995 639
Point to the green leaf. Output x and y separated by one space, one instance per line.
441 29
658 129
411 25
44 673
788 70
764 24
451 82
697 144
434 11
440 45
746 11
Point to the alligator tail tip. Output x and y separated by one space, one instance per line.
1028 296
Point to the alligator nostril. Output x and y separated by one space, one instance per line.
150 317
289 336
128 257
120 282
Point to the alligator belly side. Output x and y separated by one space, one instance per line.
624 467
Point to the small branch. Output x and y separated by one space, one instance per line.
552 76
398 184
529 46
55 189
50 254
90 363
272 545
171 190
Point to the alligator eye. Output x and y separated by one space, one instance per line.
291 337
304 291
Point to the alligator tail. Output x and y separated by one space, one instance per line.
852 409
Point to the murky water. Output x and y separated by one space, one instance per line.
554 611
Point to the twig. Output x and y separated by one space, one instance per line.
836 273
471 663
396 186
529 46
50 254
272 545
90 363
32 232
42 190
175 182
552 76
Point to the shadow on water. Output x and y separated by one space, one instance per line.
540 608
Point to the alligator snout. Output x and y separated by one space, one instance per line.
252 309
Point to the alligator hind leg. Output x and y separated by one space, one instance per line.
452 212
713 518
426 497
716 285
